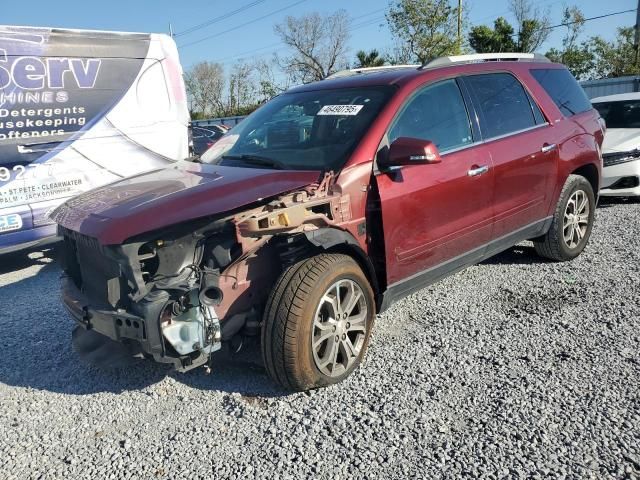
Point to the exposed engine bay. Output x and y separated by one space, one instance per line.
180 292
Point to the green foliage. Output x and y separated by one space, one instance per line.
532 30
599 58
501 38
484 39
426 29
197 115
578 59
527 35
371 59
596 57
616 58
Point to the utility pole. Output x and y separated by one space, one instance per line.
636 42
171 28
460 27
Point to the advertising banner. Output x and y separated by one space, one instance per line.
79 109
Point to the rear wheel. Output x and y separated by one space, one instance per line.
572 222
317 322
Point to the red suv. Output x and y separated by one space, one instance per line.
329 203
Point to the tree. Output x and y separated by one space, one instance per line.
398 54
533 30
578 58
533 25
242 89
425 29
371 59
615 58
483 39
204 83
270 83
318 43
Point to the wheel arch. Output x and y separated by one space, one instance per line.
333 240
591 173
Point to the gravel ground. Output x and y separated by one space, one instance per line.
516 368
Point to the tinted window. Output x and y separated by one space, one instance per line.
536 111
437 113
621 114
503 103
306 130
567 94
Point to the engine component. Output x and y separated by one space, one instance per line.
196 329
210 293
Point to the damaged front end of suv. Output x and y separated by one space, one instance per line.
264 234
175 294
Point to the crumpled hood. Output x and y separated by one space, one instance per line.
182 192
621 140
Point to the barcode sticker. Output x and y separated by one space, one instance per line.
340 109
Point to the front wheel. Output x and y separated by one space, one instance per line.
317 322
572 222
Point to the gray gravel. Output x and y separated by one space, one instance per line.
516 368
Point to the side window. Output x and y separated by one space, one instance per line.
563 89
536 111
504 105
437 113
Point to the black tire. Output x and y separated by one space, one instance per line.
553 245
288 322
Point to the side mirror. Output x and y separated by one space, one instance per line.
409 151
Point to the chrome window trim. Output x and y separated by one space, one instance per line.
523 130
460 148
499 137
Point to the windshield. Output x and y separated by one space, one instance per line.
314 130
620 114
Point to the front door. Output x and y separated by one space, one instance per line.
434 213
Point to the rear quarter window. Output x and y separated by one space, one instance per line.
563 89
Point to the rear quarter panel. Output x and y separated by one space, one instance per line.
579 137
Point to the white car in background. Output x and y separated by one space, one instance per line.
621 147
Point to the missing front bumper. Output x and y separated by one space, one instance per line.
139 330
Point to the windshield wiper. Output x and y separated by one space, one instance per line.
256 160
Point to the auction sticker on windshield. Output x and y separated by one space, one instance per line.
340 109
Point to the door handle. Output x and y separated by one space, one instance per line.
475 171
548 147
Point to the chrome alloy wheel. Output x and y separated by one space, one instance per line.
576 219
339 328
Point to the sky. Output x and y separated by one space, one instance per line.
249 33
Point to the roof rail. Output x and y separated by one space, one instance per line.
486 57
356 71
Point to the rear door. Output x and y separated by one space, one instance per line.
522 147
433 213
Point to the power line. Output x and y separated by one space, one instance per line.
352 28
591 18
368 14
566 24
367 23
242 54
219 18
243 24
